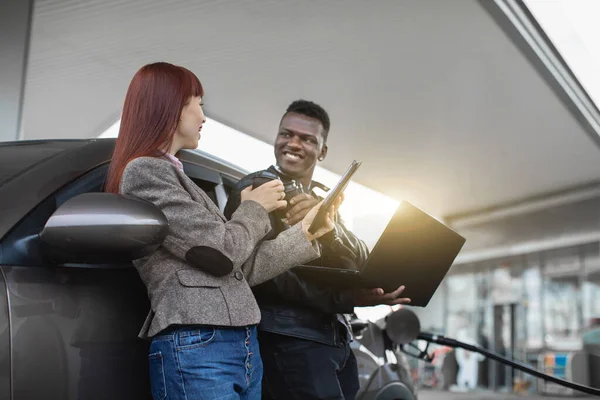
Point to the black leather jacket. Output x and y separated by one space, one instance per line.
293 306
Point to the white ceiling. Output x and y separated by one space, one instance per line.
431 95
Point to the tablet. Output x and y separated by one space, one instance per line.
332 195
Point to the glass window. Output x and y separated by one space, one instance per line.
591 283
561 302
204 178
461 303
532 296
484 322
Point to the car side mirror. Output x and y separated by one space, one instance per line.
103 228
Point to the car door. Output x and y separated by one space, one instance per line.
73 330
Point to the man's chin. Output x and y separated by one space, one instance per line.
294 171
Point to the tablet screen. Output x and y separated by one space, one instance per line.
332 195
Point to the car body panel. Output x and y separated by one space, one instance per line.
5 335
74 333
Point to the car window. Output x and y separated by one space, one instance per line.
206 179
22 245
228 184
208 187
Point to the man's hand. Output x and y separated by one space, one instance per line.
375 297
328 223
301 205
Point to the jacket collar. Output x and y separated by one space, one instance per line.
286 178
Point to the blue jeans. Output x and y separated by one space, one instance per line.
205 363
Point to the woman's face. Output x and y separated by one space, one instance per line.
190 124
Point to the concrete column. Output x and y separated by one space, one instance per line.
15 28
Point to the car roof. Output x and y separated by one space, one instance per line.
18 157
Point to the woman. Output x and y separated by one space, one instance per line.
204 315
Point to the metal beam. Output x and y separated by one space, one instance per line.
526 206
15 29
526 248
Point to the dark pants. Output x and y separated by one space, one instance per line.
302 369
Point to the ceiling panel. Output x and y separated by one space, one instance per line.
431 95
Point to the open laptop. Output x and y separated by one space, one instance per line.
415 250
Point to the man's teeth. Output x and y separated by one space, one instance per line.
294 156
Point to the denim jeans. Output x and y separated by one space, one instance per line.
205 363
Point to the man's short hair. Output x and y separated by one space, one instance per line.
311 110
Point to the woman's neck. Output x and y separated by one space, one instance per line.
174 149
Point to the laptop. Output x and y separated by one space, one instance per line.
415 250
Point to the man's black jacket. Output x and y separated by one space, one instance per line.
295 307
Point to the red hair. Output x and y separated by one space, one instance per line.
152 109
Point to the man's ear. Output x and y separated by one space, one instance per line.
323 153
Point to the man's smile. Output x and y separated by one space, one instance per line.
292 156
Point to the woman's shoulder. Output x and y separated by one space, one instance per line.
148 172
148 165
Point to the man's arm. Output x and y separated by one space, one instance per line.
342 249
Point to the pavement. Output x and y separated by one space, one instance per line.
429 394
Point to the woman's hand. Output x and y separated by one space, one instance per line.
270 195
327 226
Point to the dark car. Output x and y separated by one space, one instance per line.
71 303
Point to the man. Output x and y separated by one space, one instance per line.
303 336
